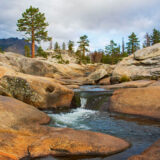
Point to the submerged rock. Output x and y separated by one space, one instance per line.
151 153
137 101
21 135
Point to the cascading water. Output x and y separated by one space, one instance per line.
83 102
139 133
74 118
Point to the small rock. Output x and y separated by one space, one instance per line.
105 81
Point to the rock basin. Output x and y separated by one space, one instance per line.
140 132
22 135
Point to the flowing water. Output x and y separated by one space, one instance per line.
141 133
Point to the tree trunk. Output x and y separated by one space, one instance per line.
33 45
132 48
83 52
33 48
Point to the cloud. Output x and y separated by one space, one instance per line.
101 20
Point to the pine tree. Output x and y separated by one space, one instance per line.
155 37
71 46
34 25
133 43
27 51
113 50
63 46
83 45
57 47
147 41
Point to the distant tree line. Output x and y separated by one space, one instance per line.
113 52
33 24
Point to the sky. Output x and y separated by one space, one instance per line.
100 20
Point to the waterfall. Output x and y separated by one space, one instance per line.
75 118
83 102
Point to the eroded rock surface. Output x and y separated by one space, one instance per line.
137 101
133 84
101 72
41 92
105 81
21 135
143 64
40 67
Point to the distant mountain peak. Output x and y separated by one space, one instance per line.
14 44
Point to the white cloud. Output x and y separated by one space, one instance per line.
100 19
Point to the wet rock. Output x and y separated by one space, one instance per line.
93 100
151 153
73 86
132 84
137 101
22 136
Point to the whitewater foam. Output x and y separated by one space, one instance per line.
73 119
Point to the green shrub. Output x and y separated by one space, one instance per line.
60 59
1 51
67 62
154 78
60 62
41 52
58 56
124 78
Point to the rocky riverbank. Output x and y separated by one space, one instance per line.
22 135
44 85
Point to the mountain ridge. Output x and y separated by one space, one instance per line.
14 44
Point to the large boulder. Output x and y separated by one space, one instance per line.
143 64
40 67
98 74
137 101
151 153
15 114
22 136
41 92
149 52
101 72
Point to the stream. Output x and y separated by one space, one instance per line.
92 115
